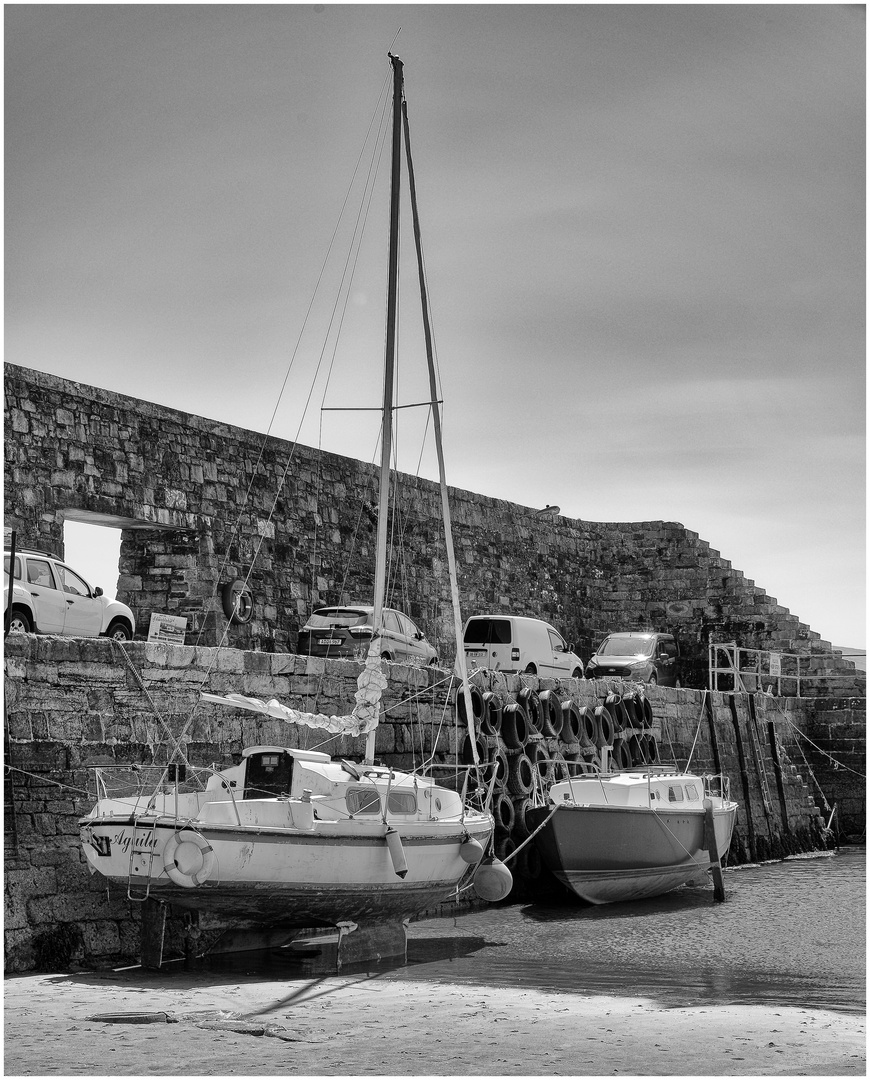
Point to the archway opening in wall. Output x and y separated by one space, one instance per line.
95 552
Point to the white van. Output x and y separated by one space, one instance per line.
513 643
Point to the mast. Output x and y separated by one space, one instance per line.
436 424
389 370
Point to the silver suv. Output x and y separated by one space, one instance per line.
650 658
50 598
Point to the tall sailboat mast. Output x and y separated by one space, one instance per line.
389 370
400 120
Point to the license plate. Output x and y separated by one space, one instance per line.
475 652
329 641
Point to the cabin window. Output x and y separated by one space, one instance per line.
402 802
363 800
691 791
675 794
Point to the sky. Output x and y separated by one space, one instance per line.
643 230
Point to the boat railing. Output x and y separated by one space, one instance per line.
717 784
169 777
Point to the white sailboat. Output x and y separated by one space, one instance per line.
292 838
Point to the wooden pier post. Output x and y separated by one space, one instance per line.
713 851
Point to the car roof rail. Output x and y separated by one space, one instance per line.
32 551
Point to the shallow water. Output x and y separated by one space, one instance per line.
788 933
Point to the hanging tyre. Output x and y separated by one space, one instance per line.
491 720
514 726
521 775
477 706
542 761
551 713
603 727
530 701
588 727
613 704
503 812
521 827
570 722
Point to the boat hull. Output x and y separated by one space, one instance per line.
607 854
280 878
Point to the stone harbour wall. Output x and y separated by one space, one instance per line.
76 703
200 505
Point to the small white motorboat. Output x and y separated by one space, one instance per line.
628 835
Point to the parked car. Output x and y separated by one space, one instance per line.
516 643
347 630
650 658
50 598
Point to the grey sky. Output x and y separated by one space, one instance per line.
644 232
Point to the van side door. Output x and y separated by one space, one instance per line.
560 661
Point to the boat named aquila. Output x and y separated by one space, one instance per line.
289 837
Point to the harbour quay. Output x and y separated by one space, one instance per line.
76 703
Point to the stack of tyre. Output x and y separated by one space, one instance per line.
531 739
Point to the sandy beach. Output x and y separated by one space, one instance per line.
200 1024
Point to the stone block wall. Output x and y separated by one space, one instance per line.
202 503
76 703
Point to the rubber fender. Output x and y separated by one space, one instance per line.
543 763
514 725
613 704
629 703
603 726
520 775
530 700
491 720
501 768
646 711
492 880
465 754
503 812
588 727
477 706
551 713
521 829
635 750
238 601
571 723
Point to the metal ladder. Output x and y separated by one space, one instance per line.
757 754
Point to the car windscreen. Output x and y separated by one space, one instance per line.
337 617
488 632
623 645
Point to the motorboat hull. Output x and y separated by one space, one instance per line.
607 854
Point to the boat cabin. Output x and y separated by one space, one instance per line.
648 788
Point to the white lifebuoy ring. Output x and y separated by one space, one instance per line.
188 859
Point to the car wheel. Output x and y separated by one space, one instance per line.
119 631
386 656
20 623
678 684
577 673
530 669
653 679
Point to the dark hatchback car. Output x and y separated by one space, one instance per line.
650 658
345 632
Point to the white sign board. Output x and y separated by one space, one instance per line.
775 664
167 628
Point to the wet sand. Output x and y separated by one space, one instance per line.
370 1026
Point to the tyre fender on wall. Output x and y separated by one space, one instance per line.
238 601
